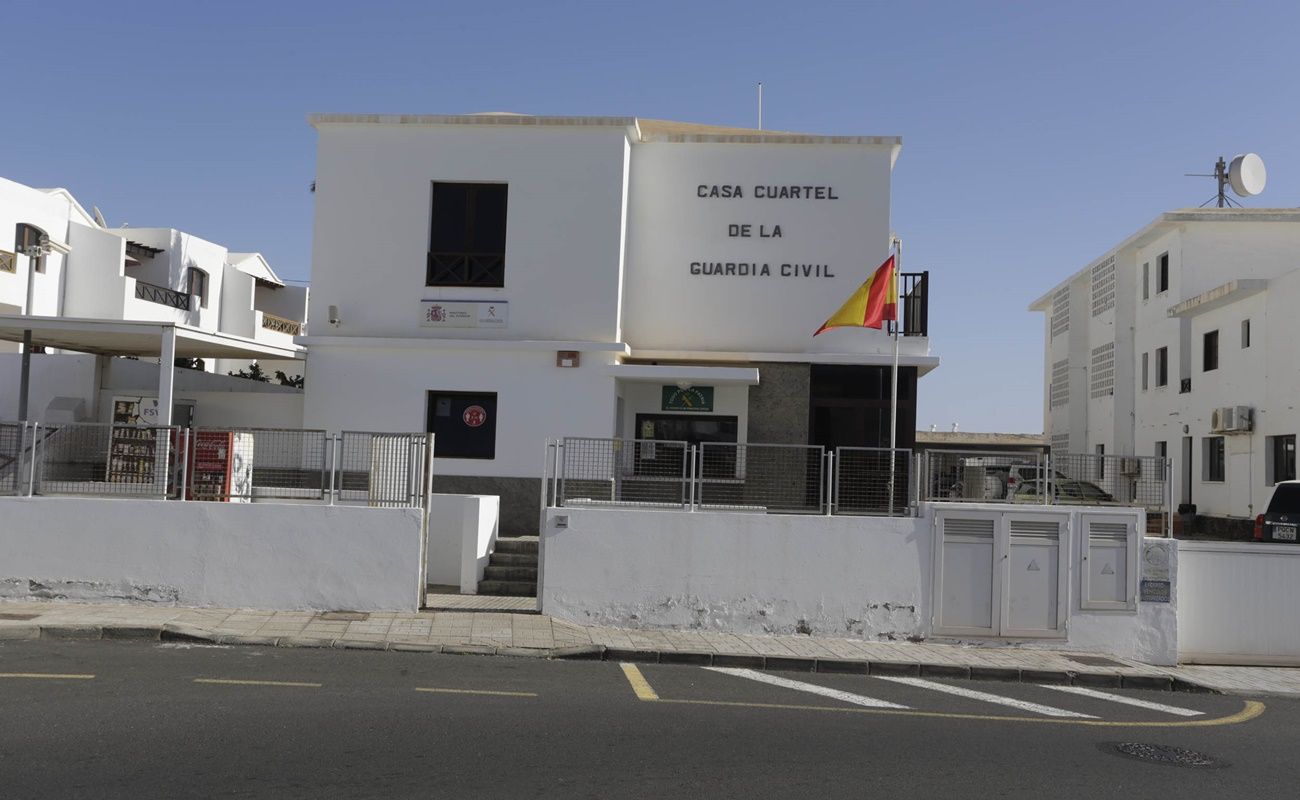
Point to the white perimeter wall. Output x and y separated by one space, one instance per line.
462 535
867 577
1238 603
210 554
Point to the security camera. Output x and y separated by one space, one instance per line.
334 315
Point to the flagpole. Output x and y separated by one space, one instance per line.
893 390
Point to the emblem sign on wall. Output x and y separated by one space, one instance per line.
474 416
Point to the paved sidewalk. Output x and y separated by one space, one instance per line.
529 634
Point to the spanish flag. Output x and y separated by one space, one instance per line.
875 301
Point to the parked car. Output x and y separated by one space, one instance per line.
1279 522
1001 481
1067 490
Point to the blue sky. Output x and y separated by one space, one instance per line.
1035 134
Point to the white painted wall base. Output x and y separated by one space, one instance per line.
462 533
210 554
1238 603
862 577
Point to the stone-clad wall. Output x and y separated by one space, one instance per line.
778 405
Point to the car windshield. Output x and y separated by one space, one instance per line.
1286 499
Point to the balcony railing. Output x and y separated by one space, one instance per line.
281 325
466 269
162 295
914 303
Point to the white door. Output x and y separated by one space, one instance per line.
966 575
1036 580
1001 574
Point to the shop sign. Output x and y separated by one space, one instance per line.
464 314
692 398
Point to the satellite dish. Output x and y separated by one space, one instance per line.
1247 176
99 218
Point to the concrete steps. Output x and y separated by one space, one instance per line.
512 568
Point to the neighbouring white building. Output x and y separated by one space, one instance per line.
76 286
502 279
1181 342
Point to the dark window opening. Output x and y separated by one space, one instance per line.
1245 333
464 424
1210 352
1162 366
1282 450
467 239
1214 463
1162 273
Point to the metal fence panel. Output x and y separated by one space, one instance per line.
981 477
762 477
1110 480
863 477
14 442
382 470
246 464
642 472
105 459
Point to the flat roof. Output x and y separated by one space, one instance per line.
642 130
1168 218
130 338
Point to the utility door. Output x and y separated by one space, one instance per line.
967 585
1001 574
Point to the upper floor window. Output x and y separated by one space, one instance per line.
32 242
1245 333
1144 372
1162 366
197 285
1146 280
1162 273
467 235
1210 352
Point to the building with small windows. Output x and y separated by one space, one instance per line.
503 279
1180 342
84 292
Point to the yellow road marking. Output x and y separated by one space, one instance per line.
1251 710
50 675
639 684
477 691
233 682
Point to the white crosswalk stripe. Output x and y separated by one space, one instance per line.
971 694
1128 701
811 688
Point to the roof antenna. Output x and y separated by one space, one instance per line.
760 105
1245 175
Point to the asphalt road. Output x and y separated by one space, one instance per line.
140 720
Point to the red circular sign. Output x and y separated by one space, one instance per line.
474 416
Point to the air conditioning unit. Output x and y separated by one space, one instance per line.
1243 420
1130 467
1221 419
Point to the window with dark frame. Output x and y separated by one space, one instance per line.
1146 280
1282 452
1144 371
1162 366
1162 273
1210 352
1213 462
1245 334
1162 449
463 424
467 235
1101 462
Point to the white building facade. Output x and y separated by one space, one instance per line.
89 277
1179 342
505 279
